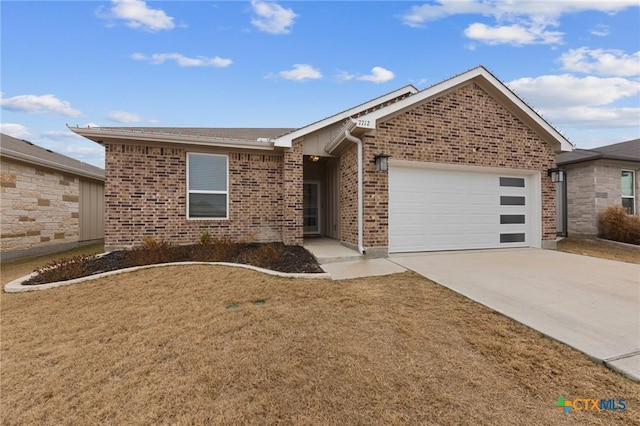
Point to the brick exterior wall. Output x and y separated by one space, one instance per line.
591 188
445 130
145 195
292 232
39 206
348 170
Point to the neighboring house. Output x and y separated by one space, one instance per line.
50 202
467 169
594 180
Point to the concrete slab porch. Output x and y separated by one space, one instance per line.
343 263
328 250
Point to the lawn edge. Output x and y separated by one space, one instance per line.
17 286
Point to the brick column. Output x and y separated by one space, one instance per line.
292 227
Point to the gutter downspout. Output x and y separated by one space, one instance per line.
348 136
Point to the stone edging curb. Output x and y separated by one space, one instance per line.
16 285
618 243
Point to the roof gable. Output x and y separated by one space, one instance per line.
22 150
285 141
491 85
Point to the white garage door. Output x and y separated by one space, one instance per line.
434 209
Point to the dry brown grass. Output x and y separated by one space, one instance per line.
602 249
160 346
17 268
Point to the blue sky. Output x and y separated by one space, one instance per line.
287 64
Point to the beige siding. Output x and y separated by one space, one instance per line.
91 210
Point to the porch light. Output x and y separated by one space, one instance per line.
556 175
314 158
382 162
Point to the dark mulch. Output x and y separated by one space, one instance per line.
274 256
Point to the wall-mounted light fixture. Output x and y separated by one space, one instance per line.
382 162
314 158
556 175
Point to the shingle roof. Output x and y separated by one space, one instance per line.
626 151
26 151
239 133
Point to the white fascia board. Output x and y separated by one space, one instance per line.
286 141
98 134
461 79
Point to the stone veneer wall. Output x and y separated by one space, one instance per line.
145 195
591 188
445 130
39 206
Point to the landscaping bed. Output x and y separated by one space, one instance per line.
274 256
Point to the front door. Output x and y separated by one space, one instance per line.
311 207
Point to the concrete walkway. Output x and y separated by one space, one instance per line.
343 263
590 304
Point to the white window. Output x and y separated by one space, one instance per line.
628 191
207 186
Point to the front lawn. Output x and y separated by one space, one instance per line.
218 345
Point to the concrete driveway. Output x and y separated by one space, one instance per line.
590 304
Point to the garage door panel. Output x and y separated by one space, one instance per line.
433 209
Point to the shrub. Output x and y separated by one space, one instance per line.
205 238
150 252
265 255
617 225
67 268
215 250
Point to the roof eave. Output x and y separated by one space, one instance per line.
599 157
99 135
49 164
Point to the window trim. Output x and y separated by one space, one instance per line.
200 191
633 190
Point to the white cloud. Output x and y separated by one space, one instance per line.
301 72
378 75
272 18
124 117
570 101
84 150
183 61
600 30
514 34
138 15
601 61
569 90
17 131
345 76
56 134
517 22
417 16
38 104
595 118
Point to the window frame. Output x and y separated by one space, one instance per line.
632 197
201 191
